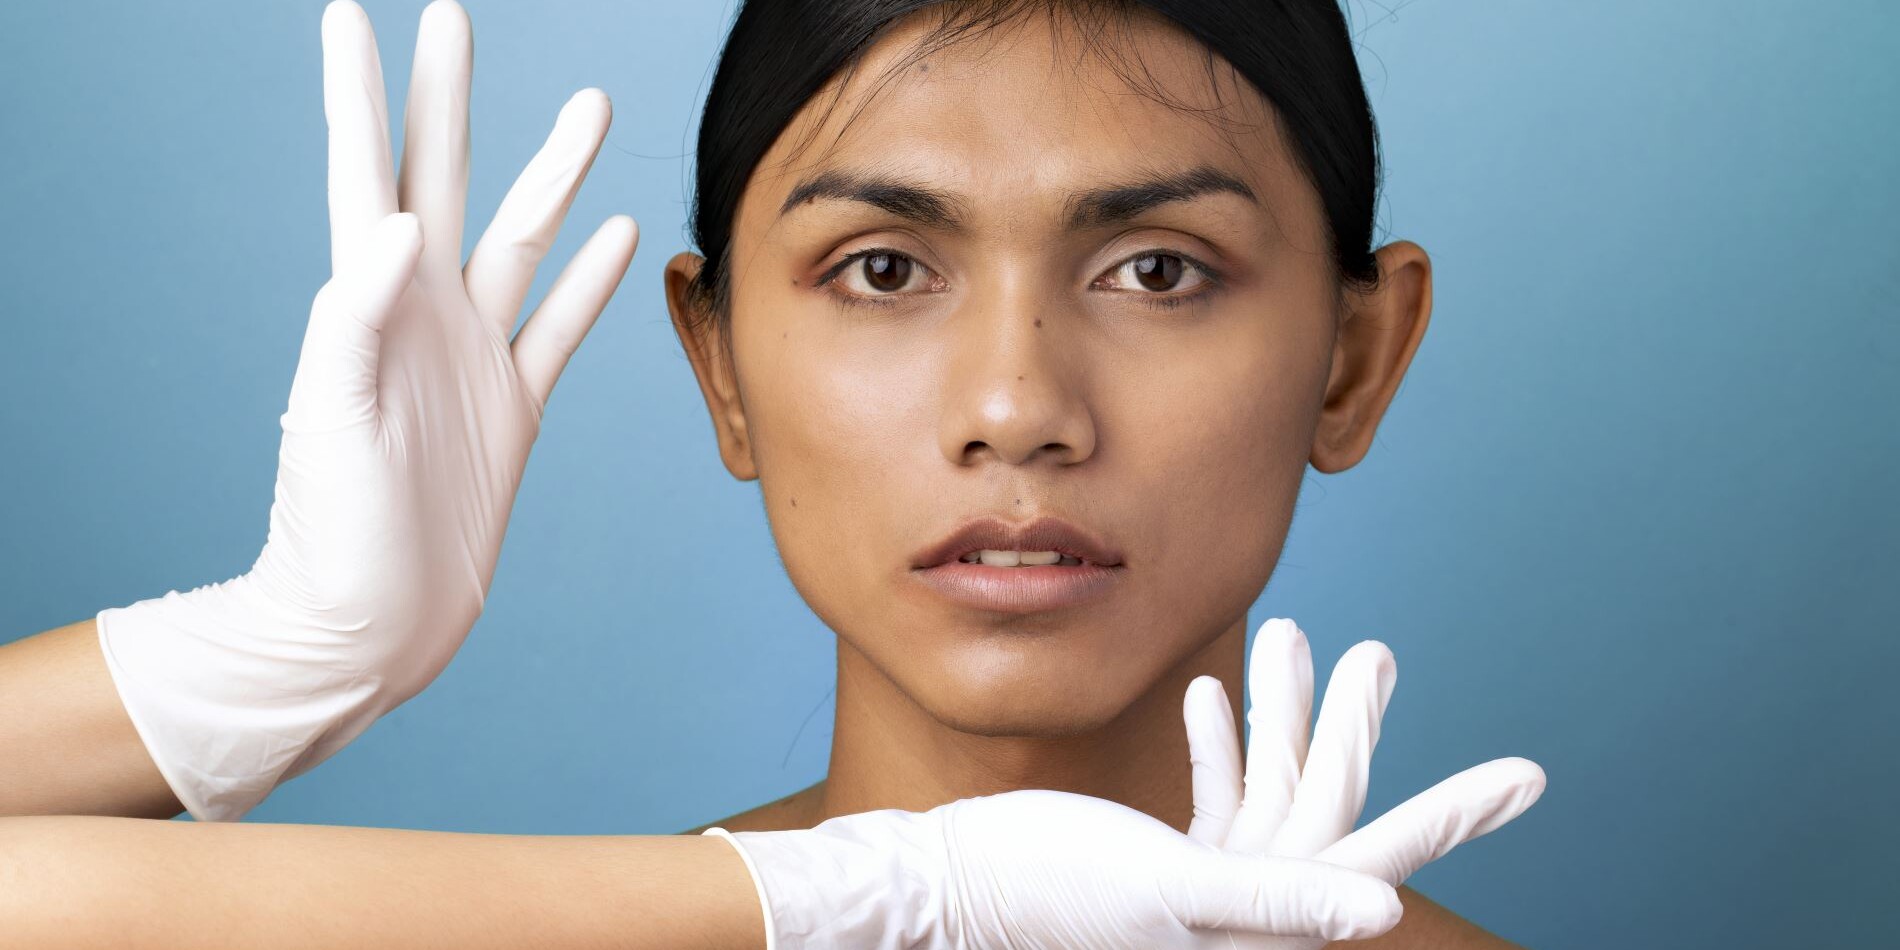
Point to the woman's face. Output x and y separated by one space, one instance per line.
1150 366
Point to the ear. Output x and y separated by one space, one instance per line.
710 354
1378 333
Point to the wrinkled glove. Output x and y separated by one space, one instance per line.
1296 804
1040 869
408 426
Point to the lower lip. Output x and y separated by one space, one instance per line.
1020 590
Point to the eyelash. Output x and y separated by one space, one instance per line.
1211 279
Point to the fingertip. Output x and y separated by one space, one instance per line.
1392 909
1340 902
1374 907
1526 773
1272 642
399 230
1508 770
622 226
1497 792
444 13
345 31
1204 684
1374 657
1277 628
1204 697
592 100
610 247
394 246
581 125
1282 638
1529 767
341 13
1387 667
1373 650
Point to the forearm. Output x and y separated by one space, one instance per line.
67 746
96 881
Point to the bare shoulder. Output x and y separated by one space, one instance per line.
800 809
1428 925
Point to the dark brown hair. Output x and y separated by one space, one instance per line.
1297 53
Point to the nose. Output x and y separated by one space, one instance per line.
1014 385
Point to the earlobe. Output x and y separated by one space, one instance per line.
1373 348
701 338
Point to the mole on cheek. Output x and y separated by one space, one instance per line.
1038 319
794 502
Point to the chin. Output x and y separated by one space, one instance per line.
1018 692
992 720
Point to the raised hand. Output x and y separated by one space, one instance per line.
1296 801
408 426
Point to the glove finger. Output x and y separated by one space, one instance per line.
1279 715
335 383
1294 897
362 189
504 261
1428 825
1332 789
1213 758
579 294
433 181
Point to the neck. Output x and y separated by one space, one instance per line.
888 752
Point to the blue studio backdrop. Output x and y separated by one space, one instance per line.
1631 514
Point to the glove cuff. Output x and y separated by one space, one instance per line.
758 883
226 712
880 879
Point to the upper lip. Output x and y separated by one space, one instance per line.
994 534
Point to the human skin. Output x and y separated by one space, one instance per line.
1017 371
69 878
71 881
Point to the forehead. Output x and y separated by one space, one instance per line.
1020 115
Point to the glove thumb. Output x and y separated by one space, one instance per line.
335 384
1263 894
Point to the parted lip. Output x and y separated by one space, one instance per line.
1047 533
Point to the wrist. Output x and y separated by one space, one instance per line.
877 879
230 695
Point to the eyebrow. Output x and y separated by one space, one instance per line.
1094 208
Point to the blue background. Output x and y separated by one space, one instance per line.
1631 515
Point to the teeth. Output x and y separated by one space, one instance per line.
991 558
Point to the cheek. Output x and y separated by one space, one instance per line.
834 435
1221 461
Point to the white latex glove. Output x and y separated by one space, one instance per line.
1039 869
408 425
1300 804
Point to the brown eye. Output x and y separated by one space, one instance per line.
1158 271
887 272
1159 278
875 275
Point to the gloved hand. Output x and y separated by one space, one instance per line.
1296 804
1040 869
1267 863
408 425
